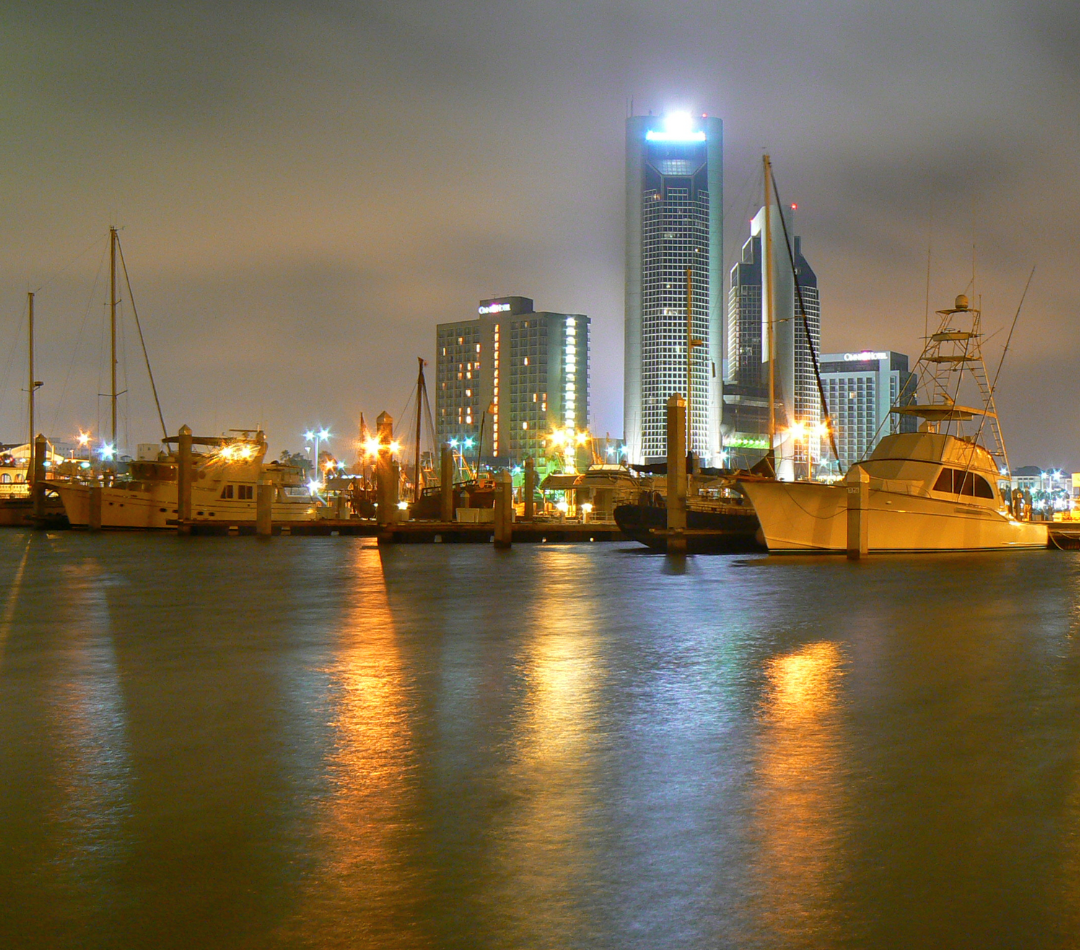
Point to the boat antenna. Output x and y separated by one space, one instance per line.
142 342
929 256
1001 362
806 330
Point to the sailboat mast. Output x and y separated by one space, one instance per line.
30 385
767 259
419 407
112 331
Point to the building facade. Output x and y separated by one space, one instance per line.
860 389
796 340
508 378
674 223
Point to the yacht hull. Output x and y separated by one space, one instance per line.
154 508
729 531
812 517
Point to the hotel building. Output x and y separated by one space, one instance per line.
516 373
860 389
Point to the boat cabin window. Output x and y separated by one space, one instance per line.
245 491
5 478
227 491
958 482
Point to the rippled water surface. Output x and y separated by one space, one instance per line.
312 742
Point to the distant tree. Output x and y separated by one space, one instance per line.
296 460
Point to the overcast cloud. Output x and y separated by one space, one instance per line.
305 189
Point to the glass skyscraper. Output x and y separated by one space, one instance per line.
674 221
798 403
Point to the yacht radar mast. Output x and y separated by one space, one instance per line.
951 355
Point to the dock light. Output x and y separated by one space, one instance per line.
821 430
372 446
395 446
798 430
563 506
107 451
454 443
469 442
314 486
84 439
582 438
586 509
403 505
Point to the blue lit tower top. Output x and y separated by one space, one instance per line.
674 221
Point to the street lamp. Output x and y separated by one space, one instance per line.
317 436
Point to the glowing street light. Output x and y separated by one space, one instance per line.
317 436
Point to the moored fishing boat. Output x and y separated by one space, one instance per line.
937 489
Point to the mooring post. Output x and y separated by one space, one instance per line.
446 483
530 489
504 509
676 475
858 515
183 481
385 483
38 489
264 508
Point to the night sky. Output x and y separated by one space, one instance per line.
306 189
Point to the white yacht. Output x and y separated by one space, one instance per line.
937 489
224 488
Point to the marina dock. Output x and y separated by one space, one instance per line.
417 532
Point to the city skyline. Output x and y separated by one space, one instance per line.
304 194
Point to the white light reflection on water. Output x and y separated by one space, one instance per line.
542 852
74 739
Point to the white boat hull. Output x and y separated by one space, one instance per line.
813 517
155 507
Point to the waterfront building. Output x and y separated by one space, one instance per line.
746 390
674 222
509 377
860 389
1048 490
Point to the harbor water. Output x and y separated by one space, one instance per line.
315 742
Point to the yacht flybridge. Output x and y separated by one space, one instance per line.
936 489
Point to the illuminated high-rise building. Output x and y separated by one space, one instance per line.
797 414
515 373
674 221
861 388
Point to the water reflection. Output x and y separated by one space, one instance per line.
542 849
799 799
67 796
359 892
11 598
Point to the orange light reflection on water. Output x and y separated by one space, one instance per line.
798 806
363 820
